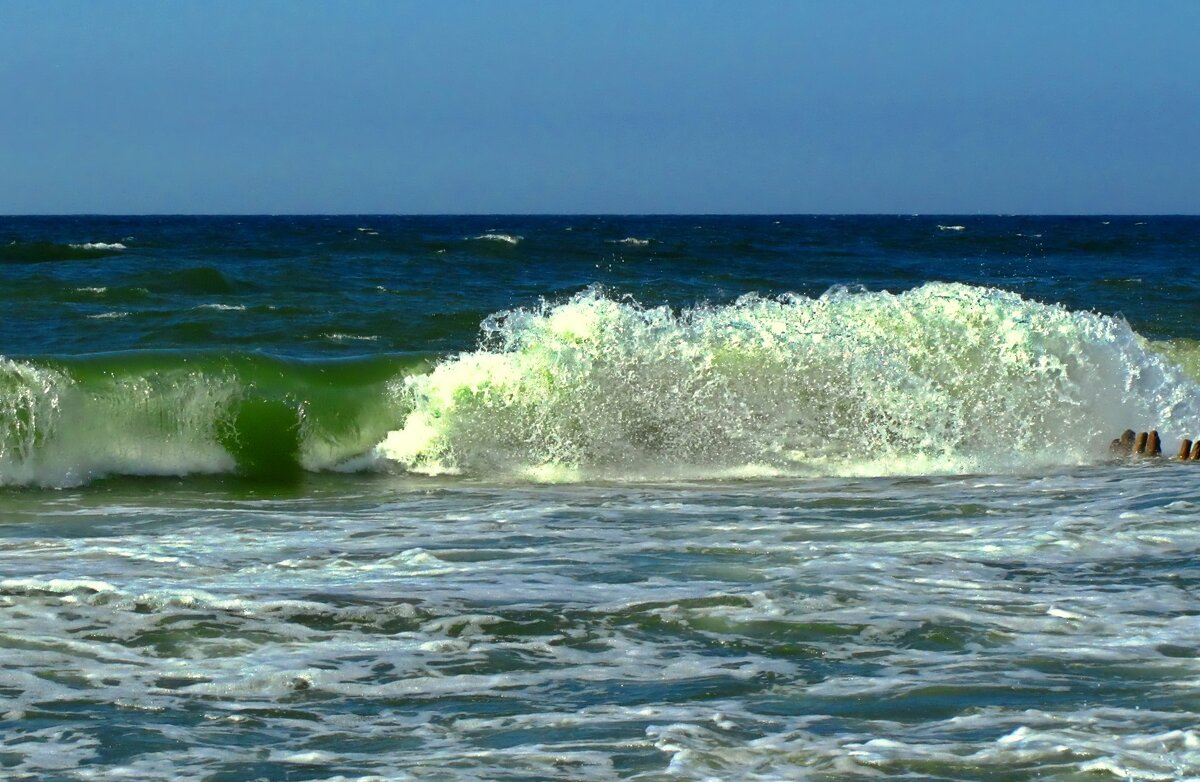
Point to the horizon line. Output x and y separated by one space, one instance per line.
599 214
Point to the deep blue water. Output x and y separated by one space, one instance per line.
422 284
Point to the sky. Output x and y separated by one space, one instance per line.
613 106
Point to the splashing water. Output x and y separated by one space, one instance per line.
945 377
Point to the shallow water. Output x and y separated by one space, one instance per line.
943 627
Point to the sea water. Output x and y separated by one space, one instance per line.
595 498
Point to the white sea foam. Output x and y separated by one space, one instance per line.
100 246
952 228
221 307
109 315
714 631
53 585
632 241
338 336
499 237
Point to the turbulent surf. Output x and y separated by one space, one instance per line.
942 378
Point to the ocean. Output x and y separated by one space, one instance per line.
598 498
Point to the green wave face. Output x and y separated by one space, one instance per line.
64 423
942 378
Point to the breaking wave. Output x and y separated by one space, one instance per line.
67 423
497 237
99 246
945 378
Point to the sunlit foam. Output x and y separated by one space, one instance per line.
943 378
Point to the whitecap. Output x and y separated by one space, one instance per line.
498 237
222 307
99 246
108 316
55 585
632 241
952 228
337 336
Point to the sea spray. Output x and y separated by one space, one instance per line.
942 378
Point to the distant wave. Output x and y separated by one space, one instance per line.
952 228
632 241
340 337
496 237
223 307
99 246
42 252
109 316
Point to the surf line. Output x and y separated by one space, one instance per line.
1149 444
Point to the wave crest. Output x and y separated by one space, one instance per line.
498 237
99 246
942 378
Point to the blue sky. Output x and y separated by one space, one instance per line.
614 106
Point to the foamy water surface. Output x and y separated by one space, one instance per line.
969 627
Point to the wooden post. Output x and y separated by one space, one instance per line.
1185 450
1196 452
1139 446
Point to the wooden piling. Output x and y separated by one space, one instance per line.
1185 450
1139 445
1196 452
1154 445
